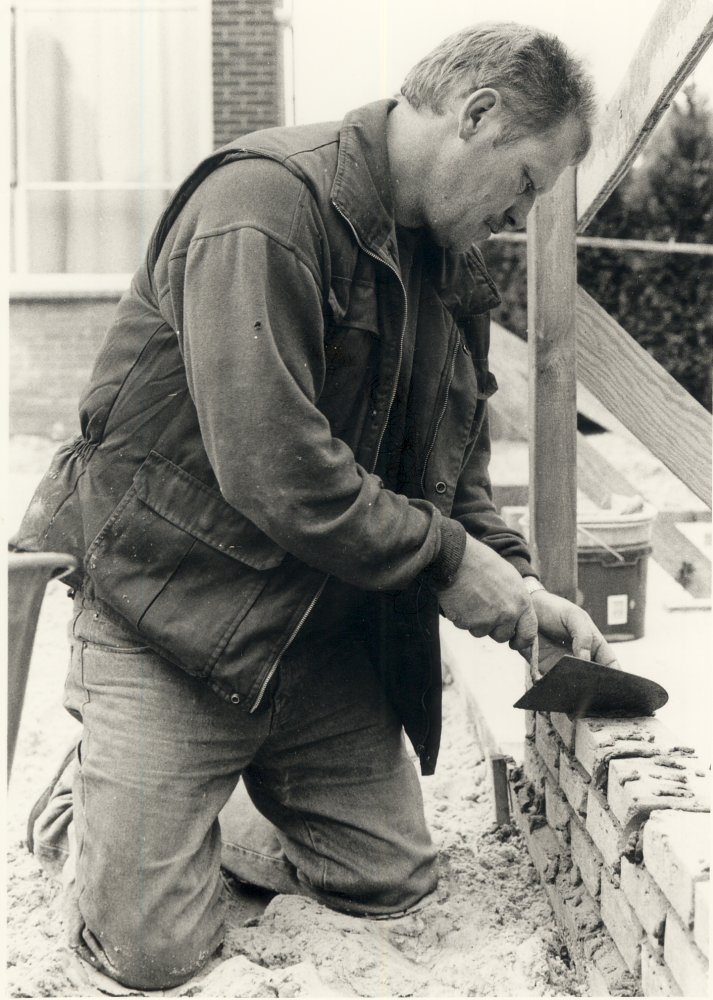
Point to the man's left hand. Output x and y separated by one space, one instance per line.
564 627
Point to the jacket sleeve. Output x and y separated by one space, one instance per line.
252 335
473 505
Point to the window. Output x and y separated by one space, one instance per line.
111 109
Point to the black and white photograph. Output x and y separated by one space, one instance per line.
358 498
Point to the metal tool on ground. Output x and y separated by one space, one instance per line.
580 687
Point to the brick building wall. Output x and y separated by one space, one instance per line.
247 68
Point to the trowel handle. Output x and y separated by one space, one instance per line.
535 660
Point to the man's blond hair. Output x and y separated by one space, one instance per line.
541 83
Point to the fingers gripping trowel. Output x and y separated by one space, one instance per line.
579 687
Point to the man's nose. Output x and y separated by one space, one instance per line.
517 214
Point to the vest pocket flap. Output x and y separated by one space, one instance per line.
183 500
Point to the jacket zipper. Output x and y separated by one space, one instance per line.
289 642
317 596
441 414
391 267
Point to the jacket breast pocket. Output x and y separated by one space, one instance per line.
180 564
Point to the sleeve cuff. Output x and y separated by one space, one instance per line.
441 571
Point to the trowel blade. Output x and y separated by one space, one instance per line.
579 687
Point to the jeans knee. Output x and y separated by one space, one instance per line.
150 954
381 890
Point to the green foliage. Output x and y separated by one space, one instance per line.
665 301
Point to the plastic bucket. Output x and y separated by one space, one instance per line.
612 562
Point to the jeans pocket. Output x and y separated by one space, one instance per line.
76 695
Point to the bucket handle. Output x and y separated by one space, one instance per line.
599 541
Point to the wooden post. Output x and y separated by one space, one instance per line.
551 294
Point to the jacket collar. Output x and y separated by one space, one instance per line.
361 192
362 184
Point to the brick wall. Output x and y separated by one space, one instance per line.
53 344
616 815
247 74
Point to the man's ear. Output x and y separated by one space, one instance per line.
474 109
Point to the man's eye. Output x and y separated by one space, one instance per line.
527 185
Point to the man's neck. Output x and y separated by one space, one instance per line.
409 137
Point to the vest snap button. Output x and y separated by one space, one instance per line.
441 487
235 698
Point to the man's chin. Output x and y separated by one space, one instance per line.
482 236
461 244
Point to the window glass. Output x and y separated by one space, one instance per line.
110 117
85 232
110 94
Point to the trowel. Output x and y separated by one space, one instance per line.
580 687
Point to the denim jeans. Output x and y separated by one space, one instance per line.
329 806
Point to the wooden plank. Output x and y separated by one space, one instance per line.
671 549
597 478
647 400
675 40
681 559
613 243
551 321
501 790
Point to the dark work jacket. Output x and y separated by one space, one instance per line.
233 420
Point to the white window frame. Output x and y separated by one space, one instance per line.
21 281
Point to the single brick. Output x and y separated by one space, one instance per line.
656 979
581 913
556 808
586 857
545 849
687 964
701 923
604 829
566 727
536 770
529 804
600 740
546 852
620 920
677 854
589 942
646 899
547 744
574 782
637 787
604 956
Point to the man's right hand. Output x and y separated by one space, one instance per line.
489 597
